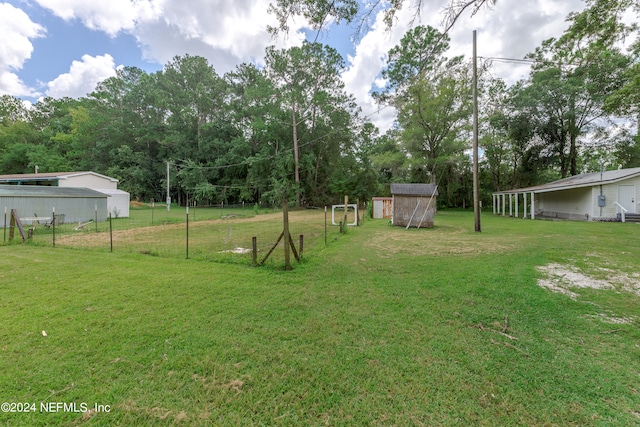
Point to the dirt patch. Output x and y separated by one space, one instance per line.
567 279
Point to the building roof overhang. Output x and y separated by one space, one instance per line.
578 181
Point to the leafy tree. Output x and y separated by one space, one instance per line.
431 94
307 79
12 110
568 88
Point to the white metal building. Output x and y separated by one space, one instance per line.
597 196
38 203
118 200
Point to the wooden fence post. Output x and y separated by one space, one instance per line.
301 245
287 236
254 246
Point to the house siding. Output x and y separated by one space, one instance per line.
568 204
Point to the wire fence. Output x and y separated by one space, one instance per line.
219 234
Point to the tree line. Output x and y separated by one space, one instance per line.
289 130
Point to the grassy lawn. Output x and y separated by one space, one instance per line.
212 234
383 326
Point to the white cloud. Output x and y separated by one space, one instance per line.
83 76
509 30
239 34
16 32
110 16
226 32
364 68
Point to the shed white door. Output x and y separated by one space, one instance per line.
627 197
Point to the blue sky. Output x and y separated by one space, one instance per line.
68 41
65 47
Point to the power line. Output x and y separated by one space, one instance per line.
508 60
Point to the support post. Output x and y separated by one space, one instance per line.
510 204
254 250
301 245
325 225
187 232
110 233
168 187
53 225
476 181
287 236
533 206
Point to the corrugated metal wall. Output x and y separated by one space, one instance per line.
73 209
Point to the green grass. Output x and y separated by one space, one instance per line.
384 326
213 233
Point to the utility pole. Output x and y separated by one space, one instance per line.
168 196
476 185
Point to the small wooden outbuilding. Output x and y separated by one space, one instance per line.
414 205
382 207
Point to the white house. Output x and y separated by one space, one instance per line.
117 202
597 196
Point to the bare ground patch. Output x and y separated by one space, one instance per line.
568 280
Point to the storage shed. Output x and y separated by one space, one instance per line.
71 204
382 207
414 205
116 204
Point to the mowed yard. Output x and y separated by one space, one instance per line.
529 323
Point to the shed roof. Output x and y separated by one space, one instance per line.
414 190
580 181
49 176
46 191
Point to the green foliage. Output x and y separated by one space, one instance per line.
431 94
289 130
